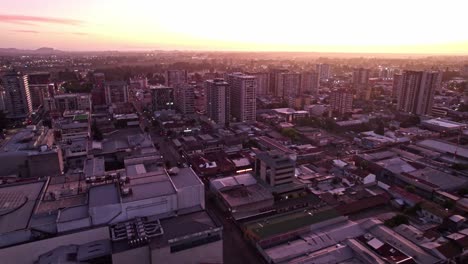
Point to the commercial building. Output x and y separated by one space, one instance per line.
17 96
341 101
417 91
273 81
242 93
116 92
218 101
163 97
274 168
361 83
68 102
174 77
184 98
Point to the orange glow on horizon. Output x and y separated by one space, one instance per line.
298 25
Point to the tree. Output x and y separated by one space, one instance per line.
290 133
397 220
380 129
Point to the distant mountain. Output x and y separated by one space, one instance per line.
43 50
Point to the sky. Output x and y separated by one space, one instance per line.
373 26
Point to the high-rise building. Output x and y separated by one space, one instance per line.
116 92
465 70
263 83
323 71
218 101
361 83
288 84
341 101
38 88
417 91
17 97
174 77
396 86
184 98
273 81
243 100
98 94
310 82
139 82
163 97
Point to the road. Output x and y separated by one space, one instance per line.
236 249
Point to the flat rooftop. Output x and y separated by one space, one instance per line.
444 147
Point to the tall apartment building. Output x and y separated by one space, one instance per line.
163 97
361 83
38 88
263 83
116 92
184 98
323 71
275 168
174 77
218 101
243 100
341 101
465 70
273 81
17 97
396 86
310 82
417 91
98 94
288 84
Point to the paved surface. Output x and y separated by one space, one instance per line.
235 249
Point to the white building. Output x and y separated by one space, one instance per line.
323 71
243 102
218 101
184 98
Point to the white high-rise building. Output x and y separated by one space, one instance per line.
184 98
17 97
218 101
174 77
323 71
417 91
243 99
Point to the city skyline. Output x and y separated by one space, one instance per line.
334 26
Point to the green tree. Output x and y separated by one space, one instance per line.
397 220
97 134
290 133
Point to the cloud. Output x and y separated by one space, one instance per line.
31 20
80 33
25 31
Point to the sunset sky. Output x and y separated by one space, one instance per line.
399 26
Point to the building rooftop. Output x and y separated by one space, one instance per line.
104 194
444 147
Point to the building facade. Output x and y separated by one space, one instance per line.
361 83
243 101
310 82
417 91
323 71
288 84
163 97
116 92
38 88
184 98
218 101
17 96
341 101
174 77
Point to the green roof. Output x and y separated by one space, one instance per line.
80 117
275 225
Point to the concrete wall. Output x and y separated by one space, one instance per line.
208 253
191 196
139 255
152 206
30 252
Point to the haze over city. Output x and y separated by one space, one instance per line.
361 26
